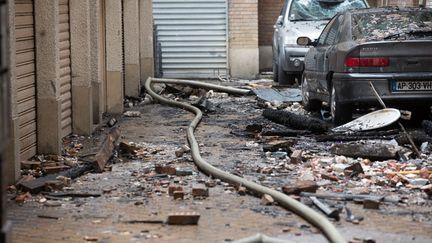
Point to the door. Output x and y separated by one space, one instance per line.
25 77
193 37
65 68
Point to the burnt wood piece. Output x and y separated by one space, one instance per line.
417 136
365 151
384 135
74 194
350 197
294 121
284 132
106 151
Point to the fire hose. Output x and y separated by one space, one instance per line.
285 201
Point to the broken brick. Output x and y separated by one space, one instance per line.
189 218
33 165
300 186
55 169
165 169
199 190
173 188
329 177
178 195
210 183
21 198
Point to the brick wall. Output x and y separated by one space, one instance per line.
243 23
268 11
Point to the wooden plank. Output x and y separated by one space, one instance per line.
26 93
25 68
105 152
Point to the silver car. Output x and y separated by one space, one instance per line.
387 48
301 18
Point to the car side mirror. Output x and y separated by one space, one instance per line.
304 41
279 22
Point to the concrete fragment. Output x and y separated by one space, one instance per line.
53 185
300 186
242 190
267 200
183 171
183 218
353 170
296 156
367 151
51 203
132 114
200 190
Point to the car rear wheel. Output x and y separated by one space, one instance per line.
283 77
309 104
341 113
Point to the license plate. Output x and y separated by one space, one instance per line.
412 85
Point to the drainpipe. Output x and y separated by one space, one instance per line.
4 116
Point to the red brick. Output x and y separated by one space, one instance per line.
190 218
200 190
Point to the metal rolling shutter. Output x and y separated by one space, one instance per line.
25 77
65 68
193 37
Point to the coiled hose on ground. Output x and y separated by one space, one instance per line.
285 201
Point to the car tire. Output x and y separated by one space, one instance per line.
283 77
341 113
275 72
308 104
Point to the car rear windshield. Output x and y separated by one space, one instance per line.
306 10
392 25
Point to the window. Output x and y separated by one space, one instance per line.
325 32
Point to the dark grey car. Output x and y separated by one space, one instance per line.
389 47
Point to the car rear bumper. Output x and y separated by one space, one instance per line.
294 58
354 88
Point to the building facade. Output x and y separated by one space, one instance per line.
70 61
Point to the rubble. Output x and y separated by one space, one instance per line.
267 200
300 186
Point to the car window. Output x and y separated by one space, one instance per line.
320 9
333 32
325 32
392 24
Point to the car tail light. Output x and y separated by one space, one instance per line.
367 61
